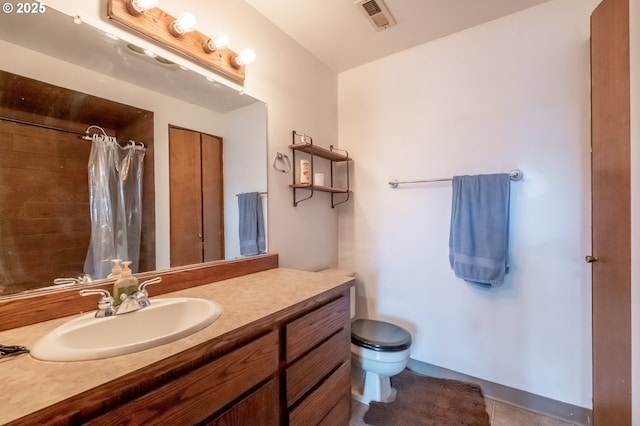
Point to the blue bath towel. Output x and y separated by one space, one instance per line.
479 234
251 224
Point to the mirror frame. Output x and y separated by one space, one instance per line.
20 311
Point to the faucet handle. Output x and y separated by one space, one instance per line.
105 305
143 286
142 295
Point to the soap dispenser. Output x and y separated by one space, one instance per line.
126 284
116 271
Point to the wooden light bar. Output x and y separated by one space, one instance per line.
154 23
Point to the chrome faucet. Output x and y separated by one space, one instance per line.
129 302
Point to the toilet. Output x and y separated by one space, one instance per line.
379 350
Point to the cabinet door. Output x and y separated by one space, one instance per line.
201 393
259 408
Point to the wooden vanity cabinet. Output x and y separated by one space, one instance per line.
291 368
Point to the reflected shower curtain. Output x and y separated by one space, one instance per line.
115 197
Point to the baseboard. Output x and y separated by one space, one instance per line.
526 400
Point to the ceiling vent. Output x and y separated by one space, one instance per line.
376 13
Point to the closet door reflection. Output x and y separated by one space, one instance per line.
196 197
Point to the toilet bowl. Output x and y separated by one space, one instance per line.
379 350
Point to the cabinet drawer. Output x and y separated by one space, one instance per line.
321 402
308 331
199 394
309 370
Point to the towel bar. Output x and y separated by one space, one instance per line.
514 175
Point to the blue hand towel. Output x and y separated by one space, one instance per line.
251 224
479 234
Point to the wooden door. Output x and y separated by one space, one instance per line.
196 197
611 210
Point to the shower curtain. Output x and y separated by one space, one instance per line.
115 198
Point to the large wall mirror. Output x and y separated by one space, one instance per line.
65 78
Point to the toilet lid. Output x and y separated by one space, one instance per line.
379 335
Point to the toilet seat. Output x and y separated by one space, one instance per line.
379 336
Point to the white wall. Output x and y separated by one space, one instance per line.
301 94
512 93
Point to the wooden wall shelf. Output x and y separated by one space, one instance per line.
319 151
333 155
320 188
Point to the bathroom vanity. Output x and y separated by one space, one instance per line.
279 354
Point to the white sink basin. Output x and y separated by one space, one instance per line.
164 321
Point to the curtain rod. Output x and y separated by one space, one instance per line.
514 175
43 126
85 136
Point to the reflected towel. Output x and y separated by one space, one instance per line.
479 233
251 224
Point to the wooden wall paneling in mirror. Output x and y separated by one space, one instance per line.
44 228
44 198
196 197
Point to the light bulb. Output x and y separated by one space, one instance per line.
137 7
186 22
219 41
246 57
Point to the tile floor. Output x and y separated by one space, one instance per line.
500 413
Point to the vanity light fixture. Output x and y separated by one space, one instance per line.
179 34
218 42
185 23
246 57
138 7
